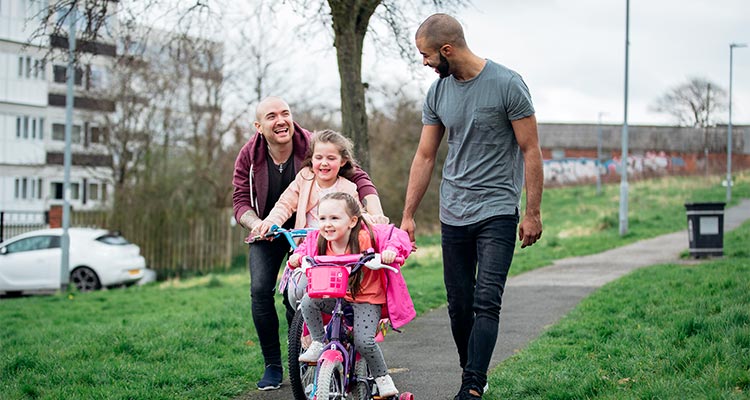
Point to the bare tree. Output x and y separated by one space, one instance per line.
350 21
394 132
693 103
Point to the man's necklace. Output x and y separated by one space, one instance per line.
281 166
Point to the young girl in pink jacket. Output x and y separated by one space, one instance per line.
342 230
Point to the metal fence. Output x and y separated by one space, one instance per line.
14 223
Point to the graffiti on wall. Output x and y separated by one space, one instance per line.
578 170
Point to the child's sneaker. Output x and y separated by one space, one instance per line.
386 387
312 353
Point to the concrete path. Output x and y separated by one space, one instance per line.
423 359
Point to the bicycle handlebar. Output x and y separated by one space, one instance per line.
354 261
289 234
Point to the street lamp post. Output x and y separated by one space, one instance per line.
599 155
729 125
624 157
67 156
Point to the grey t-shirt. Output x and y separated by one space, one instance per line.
483 172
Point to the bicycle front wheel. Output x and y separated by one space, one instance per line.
331 381
301 375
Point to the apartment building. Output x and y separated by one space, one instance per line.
32 114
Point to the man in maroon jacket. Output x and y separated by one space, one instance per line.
265 166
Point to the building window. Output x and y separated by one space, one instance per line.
58 133
104 192
93 192
59 74
56 190
98 134
40 70
29 127
30 67
98 77
75 191
39 188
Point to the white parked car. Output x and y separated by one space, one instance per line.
30 262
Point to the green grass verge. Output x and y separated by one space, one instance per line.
194 339
663 332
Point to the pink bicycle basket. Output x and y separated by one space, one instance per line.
327 281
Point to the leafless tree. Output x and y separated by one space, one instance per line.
350 21
693 103
394 134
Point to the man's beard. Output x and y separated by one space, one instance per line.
443 68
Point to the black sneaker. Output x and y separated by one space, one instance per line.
271 378
464 394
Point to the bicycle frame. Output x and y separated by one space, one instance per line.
339 347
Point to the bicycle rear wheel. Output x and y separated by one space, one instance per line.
331 381
301 375
361 389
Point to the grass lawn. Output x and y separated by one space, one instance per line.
194 339
663 332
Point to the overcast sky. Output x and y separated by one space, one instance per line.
571 53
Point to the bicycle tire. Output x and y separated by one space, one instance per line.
331 385
361 389
301 375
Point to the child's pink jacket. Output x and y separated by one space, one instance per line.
398 301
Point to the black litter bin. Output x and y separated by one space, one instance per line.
705 229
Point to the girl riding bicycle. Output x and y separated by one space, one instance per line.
342 230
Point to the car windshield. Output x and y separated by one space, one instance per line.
113 238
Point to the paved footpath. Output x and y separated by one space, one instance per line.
423 359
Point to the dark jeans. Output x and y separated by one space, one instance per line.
264 261
476 260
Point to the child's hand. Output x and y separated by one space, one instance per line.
261 229
294 260
388 256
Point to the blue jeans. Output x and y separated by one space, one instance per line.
264 260
476 260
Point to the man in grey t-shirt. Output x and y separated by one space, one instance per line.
493 148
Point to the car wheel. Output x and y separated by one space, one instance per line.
85 279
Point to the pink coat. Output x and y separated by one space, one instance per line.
399 305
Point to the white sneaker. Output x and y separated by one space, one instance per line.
312 353
386 387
